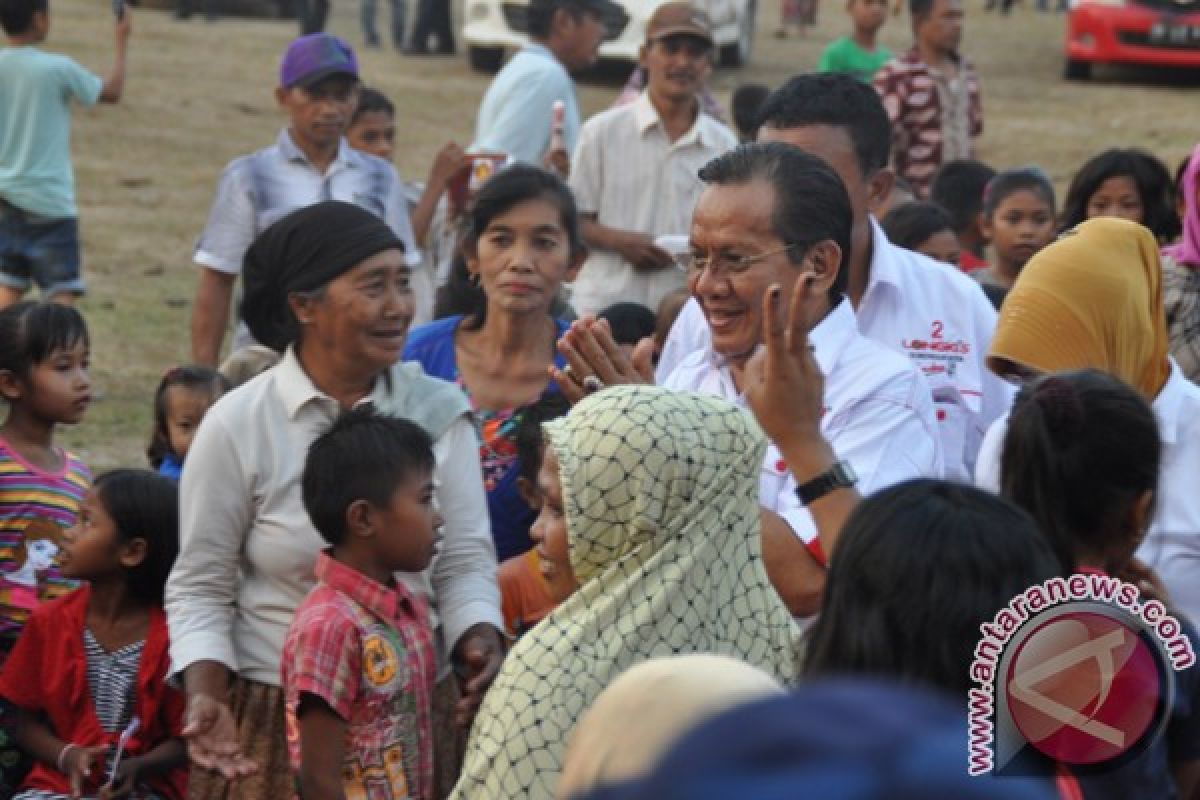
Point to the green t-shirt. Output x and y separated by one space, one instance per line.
844 55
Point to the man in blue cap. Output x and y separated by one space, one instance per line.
309 162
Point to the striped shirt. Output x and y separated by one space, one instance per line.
36 506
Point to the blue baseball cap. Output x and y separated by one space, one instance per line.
314 57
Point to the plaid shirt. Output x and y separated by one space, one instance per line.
935 118
367 651
1181 299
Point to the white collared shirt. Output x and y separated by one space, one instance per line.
925 310
247 546
878 414
517 111
1172 545
258 189
629 174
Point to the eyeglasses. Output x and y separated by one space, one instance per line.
724 264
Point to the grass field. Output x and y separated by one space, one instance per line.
200 94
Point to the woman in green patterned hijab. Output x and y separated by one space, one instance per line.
659 495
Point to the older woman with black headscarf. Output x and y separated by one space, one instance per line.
328 287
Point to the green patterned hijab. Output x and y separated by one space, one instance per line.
660 492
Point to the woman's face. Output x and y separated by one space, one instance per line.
522 257
1117 197
549 532
362 316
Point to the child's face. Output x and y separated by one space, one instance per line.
92 547
407 528
549 531
868 15
373 132
57 389
185 407
942 246
1117 197
320 113
1021 225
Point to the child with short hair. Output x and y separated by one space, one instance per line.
958 187
44 380
183 397
39 225
88 675
1019 219
359 663
923 228
525 597
860 53
1130 184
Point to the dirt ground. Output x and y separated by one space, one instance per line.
200 94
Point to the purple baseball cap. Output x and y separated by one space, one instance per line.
315 56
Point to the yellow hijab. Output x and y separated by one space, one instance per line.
1092 299
660 494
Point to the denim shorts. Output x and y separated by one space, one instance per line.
39 250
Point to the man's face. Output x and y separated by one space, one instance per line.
942 27
676 66
834 146
583 32
320 113
731 223
373 132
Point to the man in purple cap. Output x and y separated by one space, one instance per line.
309 162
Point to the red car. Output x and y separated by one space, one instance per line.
1162 33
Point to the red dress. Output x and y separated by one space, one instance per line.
47 673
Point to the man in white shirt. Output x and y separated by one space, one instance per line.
906 302
516 113
772 214
634 171
310 162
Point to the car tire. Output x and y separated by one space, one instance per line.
485 59
1077 70
737 54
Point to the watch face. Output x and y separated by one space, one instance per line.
844 474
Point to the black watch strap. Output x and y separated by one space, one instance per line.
840 476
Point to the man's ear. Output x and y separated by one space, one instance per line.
824 261
281 97
879 189
359 519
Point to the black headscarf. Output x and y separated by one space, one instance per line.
303 252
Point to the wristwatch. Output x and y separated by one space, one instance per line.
840 476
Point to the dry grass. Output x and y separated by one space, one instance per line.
200 94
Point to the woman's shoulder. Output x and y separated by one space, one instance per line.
432 334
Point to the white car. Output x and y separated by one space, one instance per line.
495 25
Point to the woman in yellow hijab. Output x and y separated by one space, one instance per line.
1094 299
659 494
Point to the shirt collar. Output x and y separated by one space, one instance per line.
883 259
1167 404
294 155
382 601
539 49
832 335
297 390
646 116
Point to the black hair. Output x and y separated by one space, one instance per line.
630 322
1011 181
16 16
1181 192
539 16
811 203
370 100
144 505
747 104
911 224
189 376
958 187
550 405
364 456
839 101
918 567
31 332
1080 449
919 8
1154 187
500 194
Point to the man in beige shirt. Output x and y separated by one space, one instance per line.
634 170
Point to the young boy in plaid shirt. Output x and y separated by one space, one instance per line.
359 663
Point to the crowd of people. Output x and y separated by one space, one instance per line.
629 457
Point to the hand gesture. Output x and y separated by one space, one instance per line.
124 24
782 382
595 360
558 162
477 659
124 782
449 161
640 250
79 763
212 738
